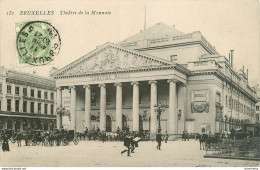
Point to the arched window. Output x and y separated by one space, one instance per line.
108 123
124 122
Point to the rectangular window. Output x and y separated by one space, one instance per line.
39 94
52 96
45 95
32 107
52 107
32 92
226 102
46 109
24 106
0 88
24 91
257 108
173 57
0 105
39 108
17 90
9 104
17 105
9 89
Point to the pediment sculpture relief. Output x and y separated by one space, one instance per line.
112 59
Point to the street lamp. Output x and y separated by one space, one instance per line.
159 109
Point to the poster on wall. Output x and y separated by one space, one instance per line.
200 101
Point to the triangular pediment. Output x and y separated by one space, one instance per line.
110 57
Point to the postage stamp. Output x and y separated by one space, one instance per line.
38 42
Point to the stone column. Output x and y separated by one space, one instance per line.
152 104
73 108
172 114
135 106
59 105
87 106
118 105
102 107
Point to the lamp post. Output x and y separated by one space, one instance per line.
159 109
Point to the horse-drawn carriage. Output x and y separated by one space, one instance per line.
69 136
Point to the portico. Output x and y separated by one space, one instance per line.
111 93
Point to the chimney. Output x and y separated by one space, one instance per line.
231 54
34 72
173 26
243 68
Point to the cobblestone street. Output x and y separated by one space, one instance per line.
174 154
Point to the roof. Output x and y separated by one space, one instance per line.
157 31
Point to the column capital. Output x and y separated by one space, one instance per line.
135 82
118 84
102 85
86 86
152 81
59 88
172 80
72 87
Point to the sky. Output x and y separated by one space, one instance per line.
226 24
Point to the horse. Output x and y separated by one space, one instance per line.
202 139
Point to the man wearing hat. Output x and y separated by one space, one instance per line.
159 140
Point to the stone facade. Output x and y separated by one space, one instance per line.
26 101
118 85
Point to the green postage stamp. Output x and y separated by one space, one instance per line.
38 42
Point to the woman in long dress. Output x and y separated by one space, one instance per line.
5 145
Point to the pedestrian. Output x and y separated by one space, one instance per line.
5 145
127 144
159 140
86 133
19 139
166 137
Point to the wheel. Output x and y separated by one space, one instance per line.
34 143
75 141
64 142
57 142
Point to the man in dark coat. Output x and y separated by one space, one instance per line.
127 143
159 140
5 145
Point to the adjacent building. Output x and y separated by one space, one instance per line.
27 101
118 85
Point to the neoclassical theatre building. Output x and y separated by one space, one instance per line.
118 85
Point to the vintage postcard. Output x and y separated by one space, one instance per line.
129 83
